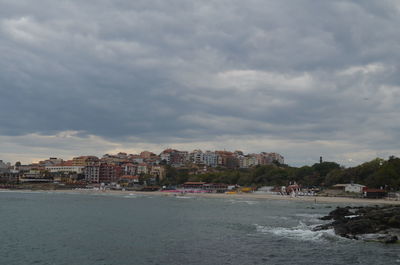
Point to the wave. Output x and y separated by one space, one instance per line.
301 232
131 196
183 197
241 201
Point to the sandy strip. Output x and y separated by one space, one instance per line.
315 199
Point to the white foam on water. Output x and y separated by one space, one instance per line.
183 197
301 232
241 201
130 196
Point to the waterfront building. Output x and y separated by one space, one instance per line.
215 187
9 178
92 173
109 173
206 187
193 185
65 167
34 175
352 187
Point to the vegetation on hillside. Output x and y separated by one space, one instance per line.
376 173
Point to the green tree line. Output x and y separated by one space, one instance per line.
376 173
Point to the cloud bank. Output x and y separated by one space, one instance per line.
301 78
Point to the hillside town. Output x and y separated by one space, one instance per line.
205 172
129 170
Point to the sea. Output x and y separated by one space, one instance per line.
56 228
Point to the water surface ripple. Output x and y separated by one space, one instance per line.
56 228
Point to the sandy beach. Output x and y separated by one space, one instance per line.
258 196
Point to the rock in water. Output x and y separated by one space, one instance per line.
381 224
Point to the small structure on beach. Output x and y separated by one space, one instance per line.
350 187
198 185
357 188
205 187
374 193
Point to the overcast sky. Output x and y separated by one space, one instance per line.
303 78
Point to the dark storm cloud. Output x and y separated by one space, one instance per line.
193 70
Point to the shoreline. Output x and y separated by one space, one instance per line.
313 199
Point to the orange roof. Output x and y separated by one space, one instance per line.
128 165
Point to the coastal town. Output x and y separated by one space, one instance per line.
146 169
190 172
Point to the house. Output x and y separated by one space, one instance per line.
357 188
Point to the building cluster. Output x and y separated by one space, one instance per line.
226 159
133 168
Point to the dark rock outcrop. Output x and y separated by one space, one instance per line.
374 223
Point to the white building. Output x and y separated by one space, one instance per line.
166 156
92 173
247 161
210 158
357 188
66 169
197 157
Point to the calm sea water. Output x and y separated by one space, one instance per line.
54 228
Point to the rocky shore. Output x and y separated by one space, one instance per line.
369 223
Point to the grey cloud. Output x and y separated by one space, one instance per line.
154 69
